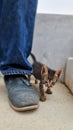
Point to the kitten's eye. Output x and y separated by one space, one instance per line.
53 82
46 81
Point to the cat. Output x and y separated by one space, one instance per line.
46 75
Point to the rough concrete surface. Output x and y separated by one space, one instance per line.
56 113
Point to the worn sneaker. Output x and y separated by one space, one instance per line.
22 95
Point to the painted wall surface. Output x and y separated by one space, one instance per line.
55 6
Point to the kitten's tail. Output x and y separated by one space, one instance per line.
33 57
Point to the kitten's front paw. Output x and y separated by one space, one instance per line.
42 98
48 91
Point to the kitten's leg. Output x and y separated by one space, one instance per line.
42 94
36 81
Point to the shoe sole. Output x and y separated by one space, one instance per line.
21 109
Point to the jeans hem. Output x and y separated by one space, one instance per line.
12 72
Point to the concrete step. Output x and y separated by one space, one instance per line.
69 73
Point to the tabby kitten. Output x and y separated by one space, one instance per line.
47 77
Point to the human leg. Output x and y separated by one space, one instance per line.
16 34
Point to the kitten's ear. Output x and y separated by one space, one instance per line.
59 72
44 70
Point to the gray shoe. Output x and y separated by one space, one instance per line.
22 95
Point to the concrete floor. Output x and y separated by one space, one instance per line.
56 113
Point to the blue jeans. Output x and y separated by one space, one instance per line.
17 18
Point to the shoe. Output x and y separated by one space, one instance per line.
22 95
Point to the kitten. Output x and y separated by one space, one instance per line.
47 77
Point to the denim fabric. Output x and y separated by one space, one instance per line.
17 18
